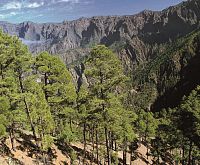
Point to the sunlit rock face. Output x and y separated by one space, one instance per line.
140 33
137 39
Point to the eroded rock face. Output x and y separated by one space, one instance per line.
146 27
136 37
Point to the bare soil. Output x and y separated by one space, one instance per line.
22 155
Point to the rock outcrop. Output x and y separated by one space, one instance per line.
138 39
136 31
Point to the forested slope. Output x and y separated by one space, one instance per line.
105 119
173 73
136 101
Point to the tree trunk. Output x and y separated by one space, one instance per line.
183 155
109 141
124 157
44 158
131 154
112 141
158 160
124 152
90 134
92 159
2 77
27 110
115 145
107 146
190 153
97 146
12 139
84 139
30 120
45 83
70 124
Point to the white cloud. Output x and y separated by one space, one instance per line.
33 5
72 1
13 13
65 1
19 5
12 5
3 16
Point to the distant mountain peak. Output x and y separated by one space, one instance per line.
147 27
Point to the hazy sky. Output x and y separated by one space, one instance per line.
59 10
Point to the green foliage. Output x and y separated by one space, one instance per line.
146 125
177 48
115 158
38 94
2 131
178 130
4 105
56 78
73 157
14 62
22 101
165 70
106 92
67 134
189 112
47 142
58 89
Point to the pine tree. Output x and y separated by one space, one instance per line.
83 113
14 65
60 93
106 78
4 107
39 109
22 69
189 120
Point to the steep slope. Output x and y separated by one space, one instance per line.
174 73
138 32
142 41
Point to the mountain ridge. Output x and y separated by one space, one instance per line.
147 26
137 39
133 107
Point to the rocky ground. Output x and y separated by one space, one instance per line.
22 155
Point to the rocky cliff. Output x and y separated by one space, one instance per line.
142 42
140 33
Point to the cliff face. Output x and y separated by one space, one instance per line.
145 28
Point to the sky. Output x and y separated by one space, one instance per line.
17 11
